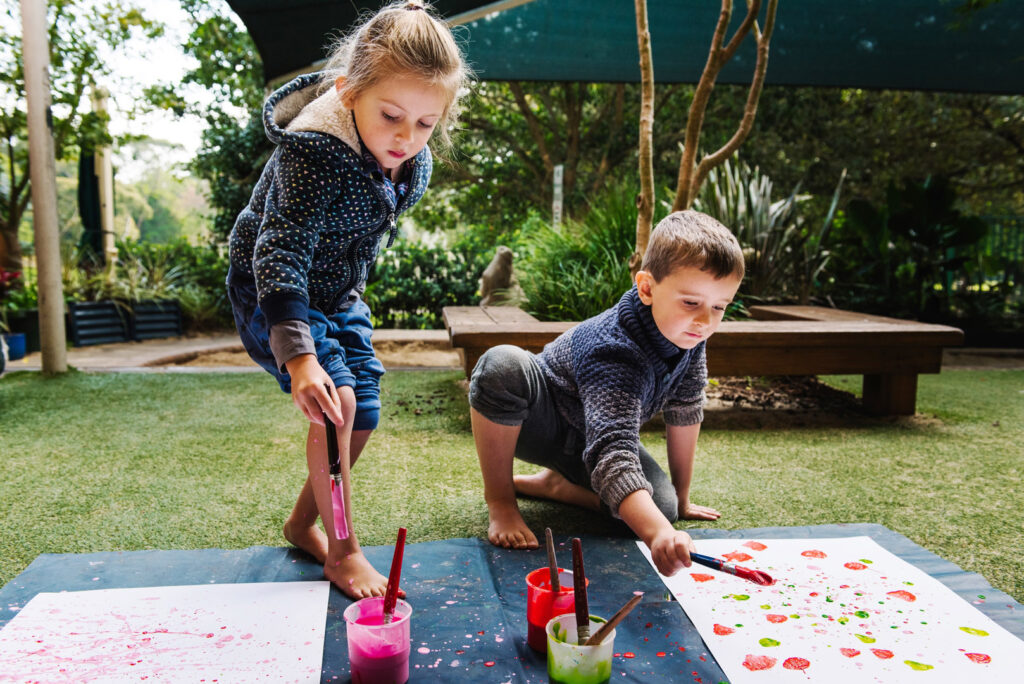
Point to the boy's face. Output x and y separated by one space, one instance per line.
688 304
396 116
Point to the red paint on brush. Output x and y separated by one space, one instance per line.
776 618
701 577
849 652
758 662
796 664
722 630
882 653
979 658
756 546
738 556
854 565
755 576
905 595
814 553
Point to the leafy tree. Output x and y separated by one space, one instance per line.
80 34
234 146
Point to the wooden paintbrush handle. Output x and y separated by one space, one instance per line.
579 581
552 563
607 627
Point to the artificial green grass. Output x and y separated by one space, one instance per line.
145 461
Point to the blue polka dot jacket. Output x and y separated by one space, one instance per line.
320 210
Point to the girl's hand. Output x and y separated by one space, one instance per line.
313 390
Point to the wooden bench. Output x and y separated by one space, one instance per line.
784 340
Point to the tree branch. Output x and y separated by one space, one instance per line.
533 124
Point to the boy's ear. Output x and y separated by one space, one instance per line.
644 282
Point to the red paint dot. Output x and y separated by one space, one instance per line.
489 663
776 618
722 630
660 654
849 652
480 632
979 657
629 654
648 625
882 653
758 662
854 565
814 593
738 556
796 664
756 546
701 577
814 553
905 595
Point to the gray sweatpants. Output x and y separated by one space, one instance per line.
508 388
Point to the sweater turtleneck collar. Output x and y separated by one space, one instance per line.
637 318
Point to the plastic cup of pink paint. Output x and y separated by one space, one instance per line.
542 604
378 653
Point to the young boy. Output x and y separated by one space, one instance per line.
577 407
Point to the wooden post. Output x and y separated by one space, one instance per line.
105 175
44 186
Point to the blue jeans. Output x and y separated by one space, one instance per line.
343 349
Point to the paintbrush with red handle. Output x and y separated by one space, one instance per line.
579 582
391 595
337 482
756 576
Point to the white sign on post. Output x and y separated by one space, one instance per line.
556 202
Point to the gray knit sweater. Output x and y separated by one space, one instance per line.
611 374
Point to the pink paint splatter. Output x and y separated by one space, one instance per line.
629 654
796 664
423 649
849 652
905 595
756 546
882 653
738 556
701 577
979 658
722 630
814 553
758 662
854 565
775 618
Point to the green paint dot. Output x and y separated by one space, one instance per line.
909 584
920 667
981 596
765 606
865 560
768 642
862 613
795 616
975 632
828 599
740 597
866 639
923 622
857 593
738 624
843 620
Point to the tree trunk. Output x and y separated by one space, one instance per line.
645 200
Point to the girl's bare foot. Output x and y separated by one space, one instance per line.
550 484
309 538
354 575
507 528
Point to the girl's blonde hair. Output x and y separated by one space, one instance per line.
401 38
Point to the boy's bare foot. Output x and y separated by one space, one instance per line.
309 538
550 484
356 578
508 529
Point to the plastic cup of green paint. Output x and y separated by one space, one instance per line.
570 663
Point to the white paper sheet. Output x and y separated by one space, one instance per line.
223 633
841 610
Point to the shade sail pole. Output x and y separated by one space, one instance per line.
44 186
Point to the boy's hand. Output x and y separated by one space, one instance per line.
313 390
691 511
671 551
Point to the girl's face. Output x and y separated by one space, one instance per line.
396 116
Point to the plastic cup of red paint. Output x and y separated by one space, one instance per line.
378 653
542 604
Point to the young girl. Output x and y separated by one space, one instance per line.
351 156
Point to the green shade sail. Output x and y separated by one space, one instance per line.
898 44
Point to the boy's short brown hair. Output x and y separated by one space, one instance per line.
690 238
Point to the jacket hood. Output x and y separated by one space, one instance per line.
299 106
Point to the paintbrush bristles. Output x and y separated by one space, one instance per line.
552 563
579 581
607 627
